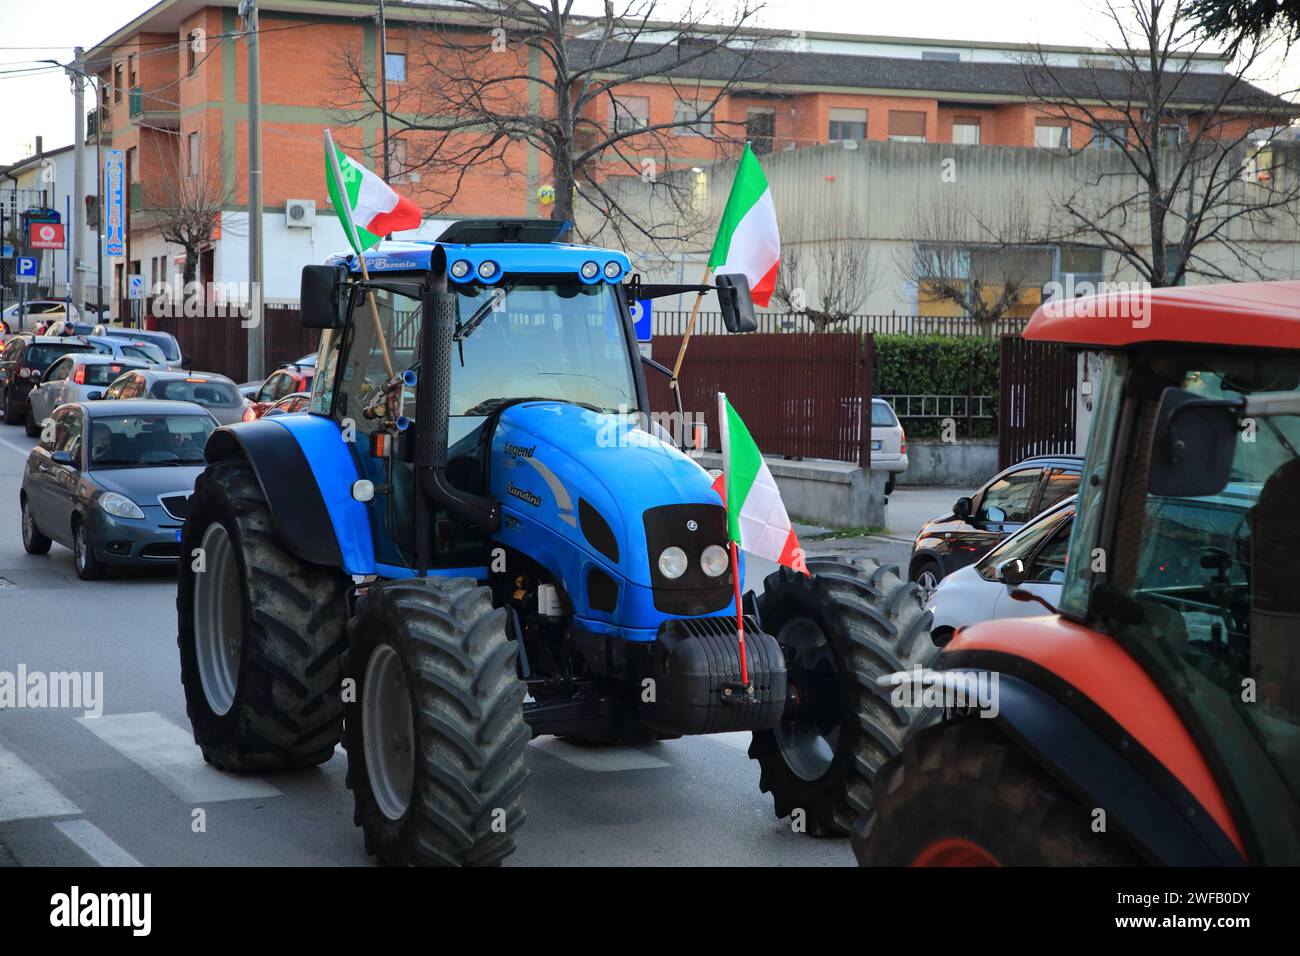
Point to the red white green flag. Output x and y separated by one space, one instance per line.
367 207
756 515
748 241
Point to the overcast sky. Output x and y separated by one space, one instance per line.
41 104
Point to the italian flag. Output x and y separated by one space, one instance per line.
368 207
748 242
756 516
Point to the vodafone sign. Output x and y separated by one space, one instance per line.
45 235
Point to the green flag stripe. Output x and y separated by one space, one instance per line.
749 186
742 467
352 189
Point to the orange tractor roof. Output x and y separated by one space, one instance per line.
1251 314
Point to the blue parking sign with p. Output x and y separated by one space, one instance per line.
25 269
641 317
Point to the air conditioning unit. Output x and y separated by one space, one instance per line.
300 212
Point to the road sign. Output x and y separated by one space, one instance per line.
45 235
641 317
115 211
135 287
7 251
25 270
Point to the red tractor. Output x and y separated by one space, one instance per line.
1155 717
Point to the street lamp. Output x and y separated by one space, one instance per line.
99 187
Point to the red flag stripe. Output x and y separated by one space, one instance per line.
405 215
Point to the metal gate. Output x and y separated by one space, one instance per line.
1037 400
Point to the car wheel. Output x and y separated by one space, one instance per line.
927 576
11 414
33 541
89 567
889 485
33 429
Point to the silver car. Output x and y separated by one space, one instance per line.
77 377
888 442
214 392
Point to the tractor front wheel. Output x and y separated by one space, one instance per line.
261 633
435 734
840 629
963 795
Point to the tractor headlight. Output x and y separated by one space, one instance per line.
590 270
714 560
612 270
460 269
119 506
672 563
487 269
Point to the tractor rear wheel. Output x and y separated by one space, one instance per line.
963 795
435 734
840 629
261 633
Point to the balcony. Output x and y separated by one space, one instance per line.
151 111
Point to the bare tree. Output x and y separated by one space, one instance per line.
486 76
820 251
184 200
1199 177
982 263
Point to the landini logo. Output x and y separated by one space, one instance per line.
525 496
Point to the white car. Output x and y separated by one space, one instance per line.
1032 559
37 310
888 442
77 377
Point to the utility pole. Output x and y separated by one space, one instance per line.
383 84
256 330
78 224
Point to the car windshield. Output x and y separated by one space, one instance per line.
882 416
143 350
166 344
102 374
42 356
198 390
134 441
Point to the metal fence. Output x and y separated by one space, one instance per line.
1037 382
801 396
710 323
220 344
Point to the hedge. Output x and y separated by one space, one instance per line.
938 365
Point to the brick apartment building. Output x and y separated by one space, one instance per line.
174 80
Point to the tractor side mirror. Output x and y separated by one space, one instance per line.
736 303
324 296
1012 573
962 507
1193 446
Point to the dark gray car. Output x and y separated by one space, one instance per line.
216 393
112 481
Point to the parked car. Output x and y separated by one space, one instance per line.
297 402
214 392
1000 508
165 341
1033 559
22 363
76 377
286 380
888 442
123 349
112 481
20 317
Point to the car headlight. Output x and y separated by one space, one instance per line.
672 562
119 505
714 560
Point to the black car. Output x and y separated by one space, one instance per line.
1000 508
23 361
112 481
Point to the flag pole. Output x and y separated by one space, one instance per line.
740 615
345 215
728 502
690 327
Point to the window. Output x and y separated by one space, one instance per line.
131 71
906 126
1024 544
59 370
760 128
631 113
966 130
947 56
696 117
847 125
882 416
191 54
1009 499
395 67
1171 134
1052 134
132 167
67 435
1048 566
192 158
117 82
1109 134
396 156
1059 486
50 436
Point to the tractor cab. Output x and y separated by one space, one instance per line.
1167 690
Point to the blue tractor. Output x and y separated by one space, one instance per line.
477 536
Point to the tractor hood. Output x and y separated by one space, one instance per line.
582 489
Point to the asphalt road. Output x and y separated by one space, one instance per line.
130 787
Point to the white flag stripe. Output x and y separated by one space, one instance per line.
374 196
26 795
95 843
170 754
764 524
755 245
